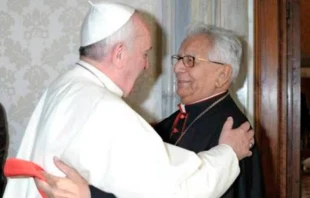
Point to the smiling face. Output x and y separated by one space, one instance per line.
198 82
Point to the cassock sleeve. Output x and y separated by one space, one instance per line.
119 152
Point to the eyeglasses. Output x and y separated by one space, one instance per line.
189 61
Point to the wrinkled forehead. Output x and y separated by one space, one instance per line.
195 44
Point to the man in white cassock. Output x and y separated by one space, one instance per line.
82 119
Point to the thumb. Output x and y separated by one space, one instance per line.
228 124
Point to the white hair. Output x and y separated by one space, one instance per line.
99 50
225 45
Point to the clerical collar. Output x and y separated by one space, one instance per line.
195 108
104 79
184 120
202 102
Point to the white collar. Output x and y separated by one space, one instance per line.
105 80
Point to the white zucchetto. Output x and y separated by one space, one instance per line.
102 20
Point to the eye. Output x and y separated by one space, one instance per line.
189 60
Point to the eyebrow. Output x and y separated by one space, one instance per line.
187 54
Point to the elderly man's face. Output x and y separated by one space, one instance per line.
198 82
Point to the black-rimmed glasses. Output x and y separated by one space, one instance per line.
189 61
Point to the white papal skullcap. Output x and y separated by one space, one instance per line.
102 20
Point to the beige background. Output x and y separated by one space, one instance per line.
39 40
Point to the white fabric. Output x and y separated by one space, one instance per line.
82 119
102 20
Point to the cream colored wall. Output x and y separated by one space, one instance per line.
39 40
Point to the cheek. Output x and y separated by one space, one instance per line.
140 65
186 88
144 63
200 80
141 62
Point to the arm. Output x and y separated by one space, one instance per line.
221 167
224 139
132 160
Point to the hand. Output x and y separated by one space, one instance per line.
240 139
72 186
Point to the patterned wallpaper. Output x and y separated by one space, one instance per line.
39 40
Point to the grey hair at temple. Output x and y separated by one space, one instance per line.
98 50
226 46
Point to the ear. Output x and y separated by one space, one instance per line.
224 76
118 55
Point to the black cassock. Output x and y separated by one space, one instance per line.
203 134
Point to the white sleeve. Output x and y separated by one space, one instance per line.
219 170
118 152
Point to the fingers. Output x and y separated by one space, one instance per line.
73 186
239 139
51 179
250 137
67 170
250 134
49 191
245 126
43 186
73 182
228 124
70 172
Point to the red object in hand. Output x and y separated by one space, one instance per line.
14 167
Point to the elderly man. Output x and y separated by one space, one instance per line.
82 119
206 65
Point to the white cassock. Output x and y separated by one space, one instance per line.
82 119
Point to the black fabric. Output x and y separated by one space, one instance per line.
3 147
96 193
204 134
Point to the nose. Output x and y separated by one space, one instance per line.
179 67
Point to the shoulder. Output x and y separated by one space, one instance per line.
78 88
229 108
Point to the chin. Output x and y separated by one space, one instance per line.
183 99
182 93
